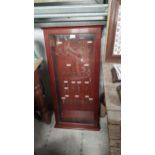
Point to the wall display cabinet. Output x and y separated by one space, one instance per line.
73 55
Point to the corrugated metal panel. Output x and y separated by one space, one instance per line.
61 15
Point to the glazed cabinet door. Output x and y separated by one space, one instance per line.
74 58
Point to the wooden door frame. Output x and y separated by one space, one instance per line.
112 23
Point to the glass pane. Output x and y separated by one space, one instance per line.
117 43
74 61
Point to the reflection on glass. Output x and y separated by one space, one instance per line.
74 64
117 43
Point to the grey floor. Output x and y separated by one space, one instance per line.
52 141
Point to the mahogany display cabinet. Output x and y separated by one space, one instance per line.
73 55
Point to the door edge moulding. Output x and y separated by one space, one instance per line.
111 31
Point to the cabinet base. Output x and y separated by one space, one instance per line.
78 126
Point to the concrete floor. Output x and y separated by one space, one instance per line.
52 141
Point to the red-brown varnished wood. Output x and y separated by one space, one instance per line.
112 22
38 95
71 105
79 126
